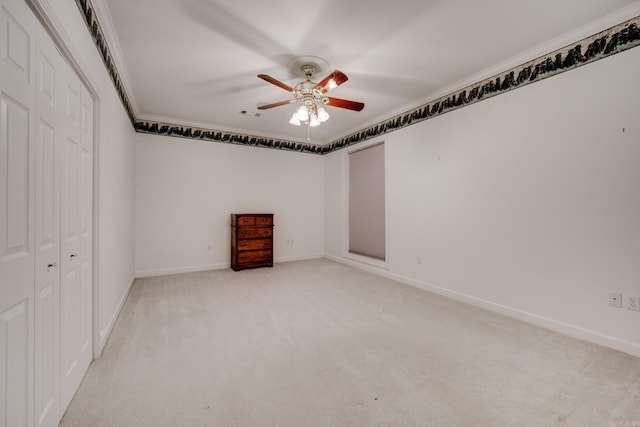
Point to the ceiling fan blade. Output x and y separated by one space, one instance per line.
275 82
343 103
338 78
275 104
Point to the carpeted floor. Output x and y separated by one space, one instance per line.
316 343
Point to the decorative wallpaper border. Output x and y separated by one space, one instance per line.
168 129
90 18
606 43
601 45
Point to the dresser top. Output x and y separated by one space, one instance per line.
252 220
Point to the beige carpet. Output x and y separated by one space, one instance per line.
316 343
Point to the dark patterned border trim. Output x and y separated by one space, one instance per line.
606 43
159 128
90 18
168 129
614 40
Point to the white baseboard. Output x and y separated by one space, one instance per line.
178 270
106 332
298 258
196 268
545 322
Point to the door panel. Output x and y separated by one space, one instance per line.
46 355
17 45
47 280
17 198
15 232
14 364
70 195
86 226
69 286
70 297
76 283
47 231
47 217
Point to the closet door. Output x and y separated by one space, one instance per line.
86 229
84 345
71 288
17 251
49 66
46 198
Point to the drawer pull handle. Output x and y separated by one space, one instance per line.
266 256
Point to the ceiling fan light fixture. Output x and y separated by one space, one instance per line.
294 120
313 121
331 84
323 116
302 114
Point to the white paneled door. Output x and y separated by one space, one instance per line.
48 135
46 199
76 203
17 198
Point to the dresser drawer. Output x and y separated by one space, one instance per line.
245 245
247 220
254 256
254 233
264 220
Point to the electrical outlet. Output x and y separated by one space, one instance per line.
633 303
615 299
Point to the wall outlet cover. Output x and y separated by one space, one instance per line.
615 299
633 303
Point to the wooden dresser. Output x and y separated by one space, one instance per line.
251 241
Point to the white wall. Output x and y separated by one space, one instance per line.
186 190
115 171
532 207
527 203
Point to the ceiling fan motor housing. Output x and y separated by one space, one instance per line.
307 90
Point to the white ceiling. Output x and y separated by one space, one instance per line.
196 61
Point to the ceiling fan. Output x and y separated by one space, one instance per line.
312 95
